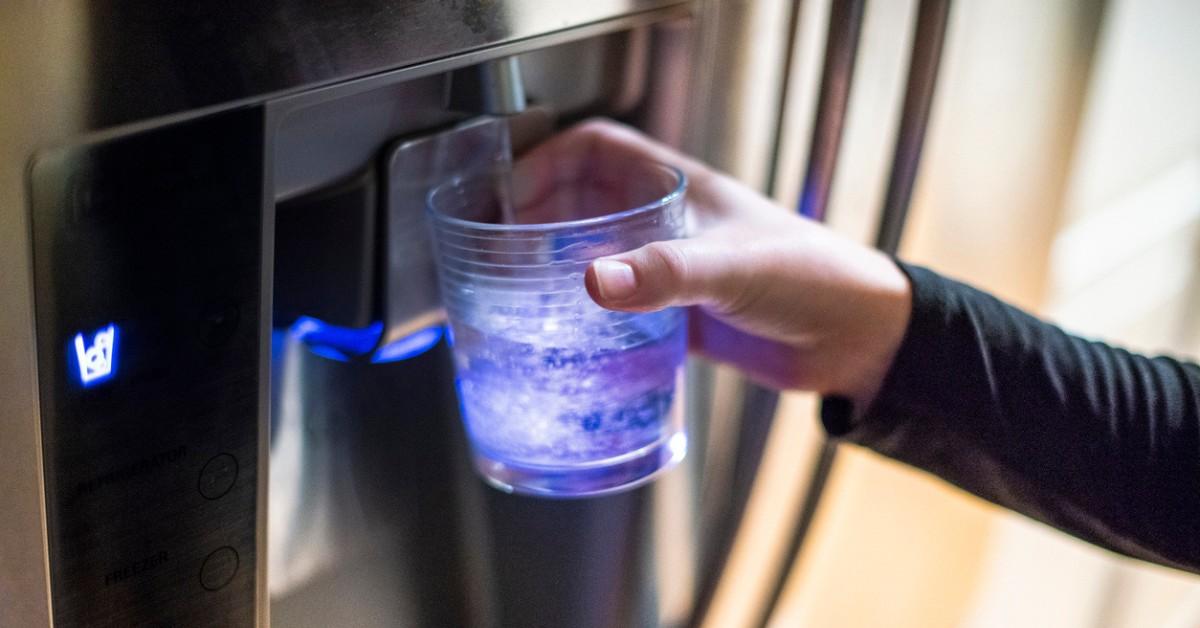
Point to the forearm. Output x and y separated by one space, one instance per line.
1093 440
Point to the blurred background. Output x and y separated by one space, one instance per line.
1061 172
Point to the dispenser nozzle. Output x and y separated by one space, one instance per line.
491 87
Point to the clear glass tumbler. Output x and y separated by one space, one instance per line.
561 398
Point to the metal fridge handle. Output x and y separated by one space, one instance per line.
924 63
837 75
841 49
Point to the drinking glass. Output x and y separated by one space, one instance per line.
561 398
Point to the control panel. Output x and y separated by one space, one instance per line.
148 252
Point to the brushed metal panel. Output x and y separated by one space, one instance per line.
151 474
365 488
142 60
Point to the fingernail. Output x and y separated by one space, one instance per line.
614 280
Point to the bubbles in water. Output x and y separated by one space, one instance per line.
595 390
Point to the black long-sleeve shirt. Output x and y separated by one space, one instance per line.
1096 441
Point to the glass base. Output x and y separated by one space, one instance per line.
597 478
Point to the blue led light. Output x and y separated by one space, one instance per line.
336 342
346 343
97 362
409 346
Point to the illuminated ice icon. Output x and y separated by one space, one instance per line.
97 362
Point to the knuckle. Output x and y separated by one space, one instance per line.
738 290
596 128
738 299
669 261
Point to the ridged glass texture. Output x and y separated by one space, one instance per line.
561 397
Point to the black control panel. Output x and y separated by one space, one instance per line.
148 254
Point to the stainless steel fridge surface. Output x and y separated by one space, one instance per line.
225 399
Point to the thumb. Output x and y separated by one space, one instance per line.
697 271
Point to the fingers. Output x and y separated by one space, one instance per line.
774 364
600 149
698 271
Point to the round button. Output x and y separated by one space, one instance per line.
217 324
218 476
218 569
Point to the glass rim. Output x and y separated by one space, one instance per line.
676 193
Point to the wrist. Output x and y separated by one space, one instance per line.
884 311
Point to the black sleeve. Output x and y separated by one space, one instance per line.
1096 441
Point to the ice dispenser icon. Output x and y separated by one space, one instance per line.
99 361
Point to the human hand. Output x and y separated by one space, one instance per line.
788 301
